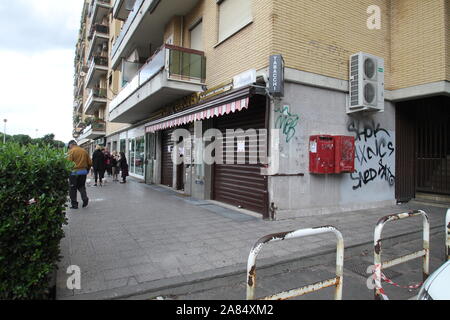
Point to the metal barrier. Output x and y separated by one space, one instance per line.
337 281
447 228
425 253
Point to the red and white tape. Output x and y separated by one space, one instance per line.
413 286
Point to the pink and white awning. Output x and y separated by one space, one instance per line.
200 115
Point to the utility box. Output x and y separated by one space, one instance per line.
331 154
321 154
344 154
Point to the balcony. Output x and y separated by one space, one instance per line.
145 25
97 69
99 9
94 131
96 100
171 74
122 9
99 37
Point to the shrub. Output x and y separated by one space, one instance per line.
30 233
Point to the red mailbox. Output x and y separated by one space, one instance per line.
331 154
321 154
344 154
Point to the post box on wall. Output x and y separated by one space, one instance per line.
344 154
331 154
321 154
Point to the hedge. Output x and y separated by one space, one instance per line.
33 196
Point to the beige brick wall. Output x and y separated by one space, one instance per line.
447 28
319 36
190 19
419 42
249 48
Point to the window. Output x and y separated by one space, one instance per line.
233 16
196 37
136 156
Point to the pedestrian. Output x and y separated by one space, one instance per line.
77 179
108 164
114 166
123 167
98 162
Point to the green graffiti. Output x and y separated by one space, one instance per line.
287 122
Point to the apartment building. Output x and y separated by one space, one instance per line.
91 70
202 64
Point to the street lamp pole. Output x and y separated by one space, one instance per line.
4 131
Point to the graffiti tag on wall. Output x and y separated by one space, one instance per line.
374 154
287 122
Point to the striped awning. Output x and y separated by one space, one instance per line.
208 113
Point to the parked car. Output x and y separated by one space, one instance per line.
437 286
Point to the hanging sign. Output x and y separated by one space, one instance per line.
276 76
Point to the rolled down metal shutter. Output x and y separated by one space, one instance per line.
242 185
166 158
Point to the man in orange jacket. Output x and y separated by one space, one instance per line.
77 180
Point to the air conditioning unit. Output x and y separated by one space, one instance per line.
366 83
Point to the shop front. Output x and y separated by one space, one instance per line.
237 182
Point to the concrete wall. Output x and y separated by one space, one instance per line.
322 111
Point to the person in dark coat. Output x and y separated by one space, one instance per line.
108 162
98 163
123 164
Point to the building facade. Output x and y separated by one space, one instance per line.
204 66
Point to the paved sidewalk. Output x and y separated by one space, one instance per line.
135 238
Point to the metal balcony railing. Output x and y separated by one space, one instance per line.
182 64
126 26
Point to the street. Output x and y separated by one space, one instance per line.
138 241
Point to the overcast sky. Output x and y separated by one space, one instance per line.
37 48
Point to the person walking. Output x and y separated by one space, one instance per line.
114 166
77 179
123 164
108 164
98 161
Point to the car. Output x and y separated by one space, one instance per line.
437 286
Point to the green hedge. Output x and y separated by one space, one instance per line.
30 233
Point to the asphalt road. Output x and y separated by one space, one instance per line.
295 274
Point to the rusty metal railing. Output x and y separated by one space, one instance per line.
447 228
379 265
337 281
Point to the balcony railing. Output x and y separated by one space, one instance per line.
98 126
99 93
97 2
100 28
99 61
181 64
126 26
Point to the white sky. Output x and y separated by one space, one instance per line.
37 48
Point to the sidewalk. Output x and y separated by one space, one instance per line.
135 238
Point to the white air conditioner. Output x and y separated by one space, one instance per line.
366 84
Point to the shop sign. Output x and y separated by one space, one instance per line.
276 76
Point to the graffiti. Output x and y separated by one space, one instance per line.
366 130
373 154
287 122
